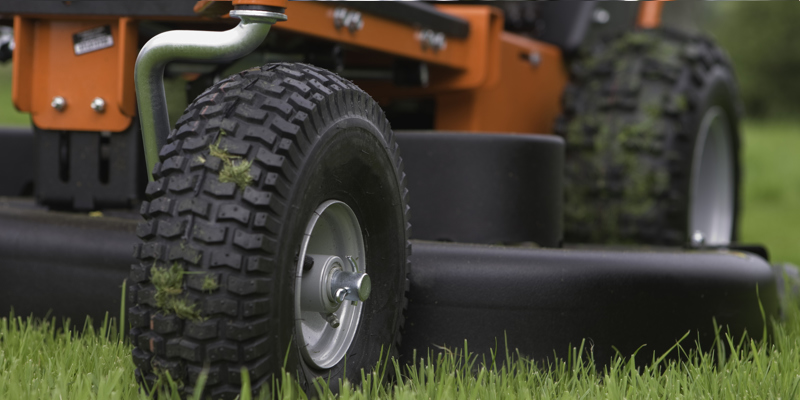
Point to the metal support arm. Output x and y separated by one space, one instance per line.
188 46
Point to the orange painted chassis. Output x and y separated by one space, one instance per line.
481 83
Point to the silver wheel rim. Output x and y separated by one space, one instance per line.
711 198
332 233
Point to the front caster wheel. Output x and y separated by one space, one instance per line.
276 229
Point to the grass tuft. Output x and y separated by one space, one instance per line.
210 283
169 287
238 173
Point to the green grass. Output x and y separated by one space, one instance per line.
8 114
771 193
39 362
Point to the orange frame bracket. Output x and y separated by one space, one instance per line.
649 14
46 66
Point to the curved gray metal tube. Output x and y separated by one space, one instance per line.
188 46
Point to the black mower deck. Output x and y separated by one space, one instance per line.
541 300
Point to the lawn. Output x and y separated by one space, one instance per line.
38 362
8 114
771 195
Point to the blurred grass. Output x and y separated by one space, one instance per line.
771 192
8 114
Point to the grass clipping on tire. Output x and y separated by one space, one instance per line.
169 287
238 173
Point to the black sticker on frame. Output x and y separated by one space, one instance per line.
92 40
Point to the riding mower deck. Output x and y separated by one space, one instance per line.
272 218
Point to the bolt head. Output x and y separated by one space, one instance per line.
333 320
58 103
698 240
98 105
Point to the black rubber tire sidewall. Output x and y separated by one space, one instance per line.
349 163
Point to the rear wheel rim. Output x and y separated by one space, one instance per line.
332 231
712 192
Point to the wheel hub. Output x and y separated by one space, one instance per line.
331 284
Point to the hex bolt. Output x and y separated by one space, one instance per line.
333 320
432 40
354 22
58 103
339 16
698 240
343 17
98 104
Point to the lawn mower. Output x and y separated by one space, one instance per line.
570 170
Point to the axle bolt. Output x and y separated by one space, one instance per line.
58 103
98 105
354 285
698 240
333 320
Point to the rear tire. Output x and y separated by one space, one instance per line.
311 137
635 169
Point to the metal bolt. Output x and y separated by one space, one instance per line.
698 240
535 58
333 320
98 104
354 22
343 17
339 14
601 16
58 103
434 40
355 285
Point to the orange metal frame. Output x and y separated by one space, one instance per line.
482 83
45 66
650 14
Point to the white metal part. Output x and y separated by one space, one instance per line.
350 19
59 103
698 240
188 46
98 105
432 40
711 195
324 321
